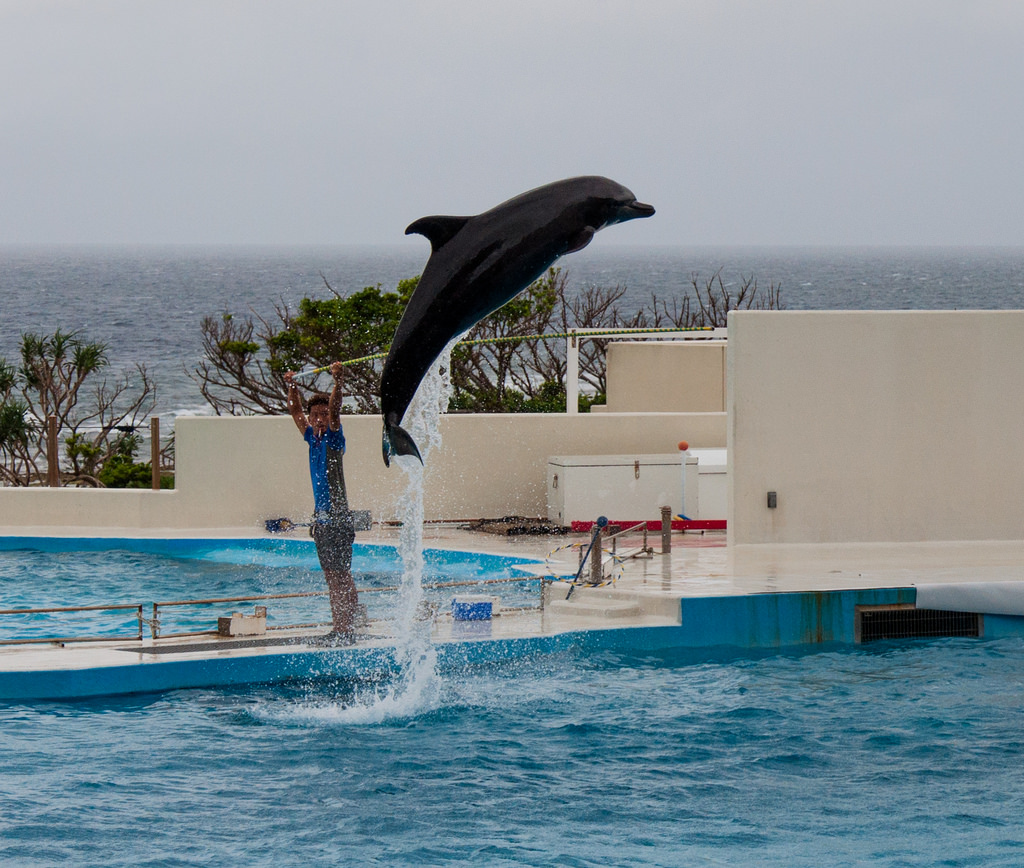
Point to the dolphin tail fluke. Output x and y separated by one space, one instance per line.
397 441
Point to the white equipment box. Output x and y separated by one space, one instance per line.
635 487
712 484
620 487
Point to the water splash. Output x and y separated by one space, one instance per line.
366 706
418 682
416 688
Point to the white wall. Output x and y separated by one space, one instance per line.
236 472
675 376
876 426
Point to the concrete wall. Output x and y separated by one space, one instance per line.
876 426
236 472
676 376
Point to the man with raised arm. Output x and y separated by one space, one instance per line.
333 528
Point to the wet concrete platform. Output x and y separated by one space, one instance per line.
701 595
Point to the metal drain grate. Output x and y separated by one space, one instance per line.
889 622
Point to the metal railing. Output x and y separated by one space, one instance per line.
595 548
60 640
52 456
573 337
157 633
643 551
572 350
154 623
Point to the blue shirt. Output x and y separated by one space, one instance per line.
318 447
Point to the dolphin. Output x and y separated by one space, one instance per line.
477 264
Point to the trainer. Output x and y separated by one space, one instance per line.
333 528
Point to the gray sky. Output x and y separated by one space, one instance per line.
799 122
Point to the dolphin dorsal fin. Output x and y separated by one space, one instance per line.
438 229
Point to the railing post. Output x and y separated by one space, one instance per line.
596 574
154 450
52 455
666 529
572 374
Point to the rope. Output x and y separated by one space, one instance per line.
517 338
577 581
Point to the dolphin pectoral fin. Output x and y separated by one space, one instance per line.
397 441
582 239
438 229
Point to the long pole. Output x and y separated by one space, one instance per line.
572 374
154 450
52 457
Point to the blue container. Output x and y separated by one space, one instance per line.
471 609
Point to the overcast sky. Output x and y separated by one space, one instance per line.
801 122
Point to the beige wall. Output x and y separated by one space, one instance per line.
676 376
870 426
876 426
236 472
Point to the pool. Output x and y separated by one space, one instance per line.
45 572
896 755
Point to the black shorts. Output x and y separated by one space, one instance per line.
334 545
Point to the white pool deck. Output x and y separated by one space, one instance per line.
701 594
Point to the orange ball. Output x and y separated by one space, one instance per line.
683 445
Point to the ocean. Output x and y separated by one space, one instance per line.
147 303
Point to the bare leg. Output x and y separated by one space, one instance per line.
341 589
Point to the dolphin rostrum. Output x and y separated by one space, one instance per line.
477 264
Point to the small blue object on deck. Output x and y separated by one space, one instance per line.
472 608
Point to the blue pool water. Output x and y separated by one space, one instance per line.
893 755
59 572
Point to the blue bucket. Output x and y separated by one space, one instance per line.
469 608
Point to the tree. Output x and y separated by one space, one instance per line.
245 359
493 370
121 470
93 422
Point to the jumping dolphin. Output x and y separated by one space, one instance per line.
477 264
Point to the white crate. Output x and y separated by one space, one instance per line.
620 487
